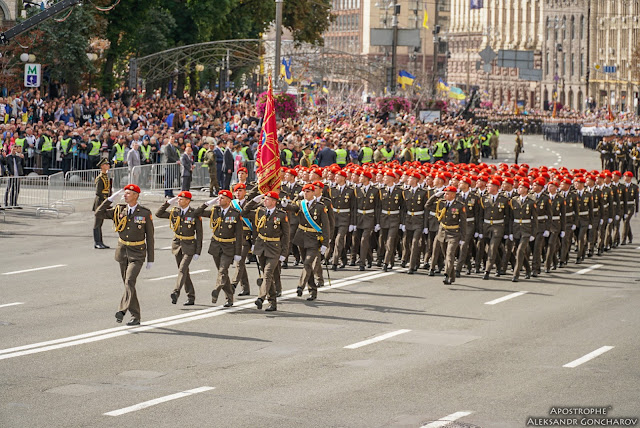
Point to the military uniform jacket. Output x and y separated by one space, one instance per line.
250 186
496 213
367 207
227 229
544 211
187 229
247 232
432 222
103 190
135 231
558 213
330 214
584 207
525 217
618 199
472 203
597 208
291 191
391 207
606 203
630 195
344 205
306 235
415 218
453 218
571 201
270 233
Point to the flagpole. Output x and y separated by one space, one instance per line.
276 69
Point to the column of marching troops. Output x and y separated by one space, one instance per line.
443 217
620 152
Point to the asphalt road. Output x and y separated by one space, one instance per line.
375 350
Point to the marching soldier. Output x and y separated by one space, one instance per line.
618 208
290 190
241 276
472 204
571 200
343 200
134 224
597 217
524 229
584 219
271 238
415 198
187 241
606 211
103 191
367 209
557 225
391 219
212 165
544 223
631 205
518 148
326 201
226 241
452 215
494 217
311 237
243 174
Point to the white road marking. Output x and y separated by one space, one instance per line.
507 297
161 227
589 269
442 422
158 401
110 333
637 248
32 270
11 304
376 339
176 275
166 248
589 356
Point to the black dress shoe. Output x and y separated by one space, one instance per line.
410 271
319 285
514 279
403 264
379 264
104 247
446 281
527 276
271 308
352 264
259 303
432 273
361 268
334 268
174 298
285 265
369 264
498 274
228 304
486 275
534 274
119 316
214 296
342 265
578 261
547 270
311 298
244 293
188 303
297 263
279 294
134 321
299 291
385 268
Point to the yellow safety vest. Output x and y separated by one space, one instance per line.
387 155
341 156
95 148
48 144
64 143
119 152
20 142
422 154
146 152
287 156
367 154
201 154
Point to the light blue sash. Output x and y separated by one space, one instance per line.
307 215
237 206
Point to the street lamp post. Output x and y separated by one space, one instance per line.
278 46
394 47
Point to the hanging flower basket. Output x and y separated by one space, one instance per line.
285 105
393 104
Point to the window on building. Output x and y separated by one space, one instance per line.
572 65
581 64
546 64
564 63
581 26
564 28
548 28
573 27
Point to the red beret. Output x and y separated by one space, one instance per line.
466 179
510 180
580 180
414 174
483 178
554 183
243 169
292 172
451 189
239 186
628 174
367 174
567 180
390 173
319 184
185 194
495 182
526 184
273 195
342 173
540 181
132 187
226 193
308 187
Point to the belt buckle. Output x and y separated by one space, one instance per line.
490 222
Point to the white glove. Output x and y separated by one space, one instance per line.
480 236
439 194
115 195
633 157
461 243
609 220
377 228
573 227
403 228
281 258
635 215
213 201
532 238
604 152
562 234
257 199
352 228
237 258
511 237
284 202
172 200
425 231
617 217
505 237
545 233
301 194
252 247
149 264
475 235
590 227
196 257
323 249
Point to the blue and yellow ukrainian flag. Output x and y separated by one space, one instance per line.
285 71
325 90
405 78
456 93
442 86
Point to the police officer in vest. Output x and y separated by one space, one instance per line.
341 155
118 152
366 153
287 155
146 152
94 150
66 153
46 147
422 153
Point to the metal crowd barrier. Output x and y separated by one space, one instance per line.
81 184
32 192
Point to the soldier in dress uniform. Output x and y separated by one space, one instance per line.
571 200
524 228
543 206
367 209
134 224
343 200
391 219
241 277
557 225
597 218
290 190
432 224
618 208
472 204
103 191
187 241
631 205
226 241
452 215
415 198
494 217
312 234
243 174
606 211
584 220
319 192
271 243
